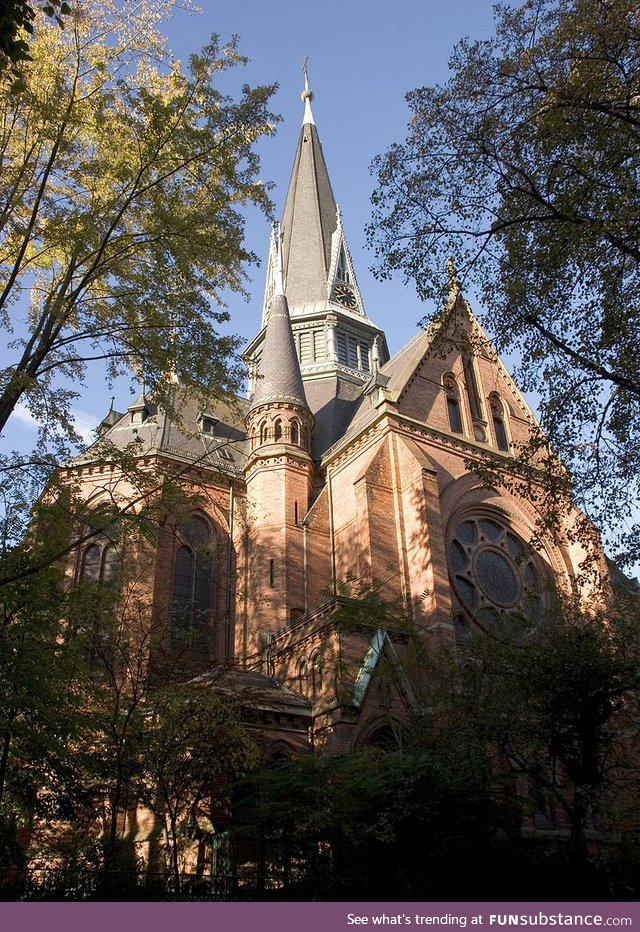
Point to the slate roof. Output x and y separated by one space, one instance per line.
181 437
308 222
333 402
261 691
279 377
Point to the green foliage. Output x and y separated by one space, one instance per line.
374 825
363 607
40 685
194 746
523 168
561 710
126 250
514 757
17 19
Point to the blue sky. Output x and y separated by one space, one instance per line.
363 58
364 55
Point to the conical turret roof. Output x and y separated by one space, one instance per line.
279 377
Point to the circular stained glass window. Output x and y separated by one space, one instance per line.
495 577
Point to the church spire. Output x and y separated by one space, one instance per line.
309 219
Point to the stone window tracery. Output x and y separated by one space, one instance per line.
496 577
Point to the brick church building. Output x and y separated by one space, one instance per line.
344 463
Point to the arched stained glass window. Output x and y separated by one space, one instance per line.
91 563
101 562
192 580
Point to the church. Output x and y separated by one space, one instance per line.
345 470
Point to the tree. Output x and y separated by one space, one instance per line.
40 694
524 169
558 710
511 733
125 251
16 20
195 745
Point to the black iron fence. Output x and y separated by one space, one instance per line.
79 884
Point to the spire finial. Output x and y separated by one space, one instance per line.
277 244
307 94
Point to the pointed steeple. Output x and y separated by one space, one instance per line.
279 378
309 219
332 333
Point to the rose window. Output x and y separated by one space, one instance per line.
495 576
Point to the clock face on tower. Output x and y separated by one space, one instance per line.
345 295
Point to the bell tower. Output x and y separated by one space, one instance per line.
278 473
337 345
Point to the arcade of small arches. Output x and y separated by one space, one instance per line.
283 427
309 675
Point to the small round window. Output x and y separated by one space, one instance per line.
496 577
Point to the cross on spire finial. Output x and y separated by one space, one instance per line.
307 94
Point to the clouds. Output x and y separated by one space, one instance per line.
84 422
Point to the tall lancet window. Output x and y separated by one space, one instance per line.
498 418
453 405
192 583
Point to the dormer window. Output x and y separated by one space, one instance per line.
342 272
207 424
225 454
